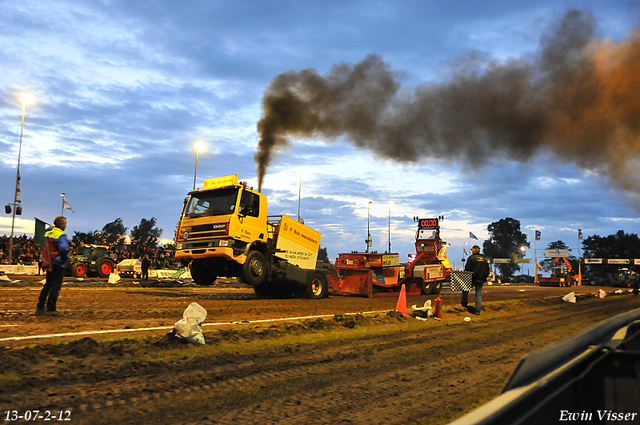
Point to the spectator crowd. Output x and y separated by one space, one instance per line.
27 252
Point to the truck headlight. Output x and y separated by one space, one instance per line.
179 246
224 243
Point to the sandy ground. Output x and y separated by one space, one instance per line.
337 368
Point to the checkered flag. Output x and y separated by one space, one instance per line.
461 281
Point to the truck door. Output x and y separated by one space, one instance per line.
252 217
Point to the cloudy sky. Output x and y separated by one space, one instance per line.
124 89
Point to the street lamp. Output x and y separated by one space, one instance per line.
390 203
523 249
368 240
25 98
199 147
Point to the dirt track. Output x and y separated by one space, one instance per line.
342 369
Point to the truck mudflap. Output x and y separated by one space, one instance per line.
591 377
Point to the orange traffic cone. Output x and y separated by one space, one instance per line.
402 301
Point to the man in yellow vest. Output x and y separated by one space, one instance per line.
54 258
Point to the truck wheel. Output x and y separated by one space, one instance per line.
317 286
254 269
79 270
200 274
105 267
436 287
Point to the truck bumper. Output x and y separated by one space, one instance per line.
217 252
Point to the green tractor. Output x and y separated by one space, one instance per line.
92 260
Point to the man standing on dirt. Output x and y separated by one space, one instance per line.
146 263
478 265
635 281
54 258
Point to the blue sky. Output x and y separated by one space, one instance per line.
124 90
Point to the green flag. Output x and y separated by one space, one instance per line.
39 232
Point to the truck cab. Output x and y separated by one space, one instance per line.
224 230
219 225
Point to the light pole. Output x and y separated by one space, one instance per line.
390 203
24 99
368 240
199 146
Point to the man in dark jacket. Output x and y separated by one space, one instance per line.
478 265
635 281
146 263
57 239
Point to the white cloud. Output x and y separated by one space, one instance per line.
21 226
124 89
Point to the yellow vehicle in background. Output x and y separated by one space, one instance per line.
224 231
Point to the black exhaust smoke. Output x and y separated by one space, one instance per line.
579 99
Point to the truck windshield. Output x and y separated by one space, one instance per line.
213 202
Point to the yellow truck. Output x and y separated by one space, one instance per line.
224 230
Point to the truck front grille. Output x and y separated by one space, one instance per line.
208 231
205 244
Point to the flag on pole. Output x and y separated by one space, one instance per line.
39 231
579 233
18 197
66 204
472 236
538 235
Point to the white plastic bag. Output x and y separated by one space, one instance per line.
601 294
570 297
423 313
189 327
114 278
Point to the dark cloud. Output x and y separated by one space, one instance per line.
580 100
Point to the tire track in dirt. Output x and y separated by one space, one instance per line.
405 385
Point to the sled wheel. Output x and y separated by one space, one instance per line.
436 287
425 288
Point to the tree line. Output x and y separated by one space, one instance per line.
506 239
144 235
